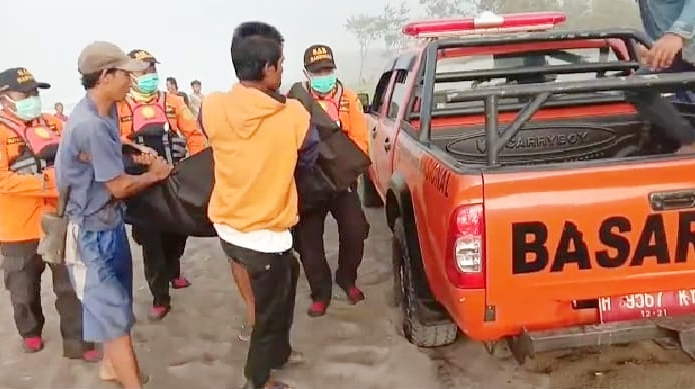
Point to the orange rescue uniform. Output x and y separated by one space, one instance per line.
179 116
350 114
23 197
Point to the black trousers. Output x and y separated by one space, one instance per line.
274 284
660 111
22 273
353 229
161 255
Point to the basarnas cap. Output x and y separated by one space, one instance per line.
143 55
20 80
99 56
318 57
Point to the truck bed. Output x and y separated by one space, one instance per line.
557 135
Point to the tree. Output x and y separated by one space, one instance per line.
438 9
391 23
366 29
489 5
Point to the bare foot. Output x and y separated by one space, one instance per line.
106 372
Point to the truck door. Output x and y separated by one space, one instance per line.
391 123
381 133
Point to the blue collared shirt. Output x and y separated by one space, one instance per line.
87 134
674 16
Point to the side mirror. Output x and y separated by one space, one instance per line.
364 99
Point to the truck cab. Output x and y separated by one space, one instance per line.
533 195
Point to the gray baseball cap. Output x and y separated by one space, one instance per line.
99 56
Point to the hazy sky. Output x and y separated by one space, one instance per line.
190 38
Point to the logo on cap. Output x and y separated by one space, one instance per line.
320 53
142 55
24 76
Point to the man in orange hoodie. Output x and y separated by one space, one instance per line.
258 138
28 142
161 121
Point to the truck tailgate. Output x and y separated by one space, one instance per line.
589 232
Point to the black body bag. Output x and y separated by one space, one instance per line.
340 161
179 204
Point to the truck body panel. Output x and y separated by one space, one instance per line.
608 228
597 235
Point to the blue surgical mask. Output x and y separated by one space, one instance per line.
148 83
324 83
28 109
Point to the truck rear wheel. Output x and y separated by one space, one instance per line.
370 197
415 329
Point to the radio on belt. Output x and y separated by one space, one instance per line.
486 22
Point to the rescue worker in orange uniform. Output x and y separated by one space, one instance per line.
343 106
28 143
162 122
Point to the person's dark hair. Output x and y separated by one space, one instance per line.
195 82
172 81
255 45
89 81
265 30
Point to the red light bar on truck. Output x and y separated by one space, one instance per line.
487 22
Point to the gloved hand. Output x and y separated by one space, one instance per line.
178 147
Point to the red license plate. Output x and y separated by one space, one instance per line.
647 305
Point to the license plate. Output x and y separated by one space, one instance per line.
647 305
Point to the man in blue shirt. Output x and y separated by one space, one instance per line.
89 165
671 24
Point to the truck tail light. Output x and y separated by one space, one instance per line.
486 22
465 258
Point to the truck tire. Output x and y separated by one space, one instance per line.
370 197
418 332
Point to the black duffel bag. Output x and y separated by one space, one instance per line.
314 189
340 161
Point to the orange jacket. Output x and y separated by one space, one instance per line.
351 115
180 118
23 197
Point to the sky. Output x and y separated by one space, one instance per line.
191 39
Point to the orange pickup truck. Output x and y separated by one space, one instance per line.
529 201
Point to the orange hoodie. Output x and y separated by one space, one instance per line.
255 139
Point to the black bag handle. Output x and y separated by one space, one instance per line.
319 117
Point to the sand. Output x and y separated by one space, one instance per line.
196 346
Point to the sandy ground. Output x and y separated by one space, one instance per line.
196 346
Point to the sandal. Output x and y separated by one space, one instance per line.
245 332
294 358
277 385
269 385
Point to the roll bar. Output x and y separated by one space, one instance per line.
540 93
